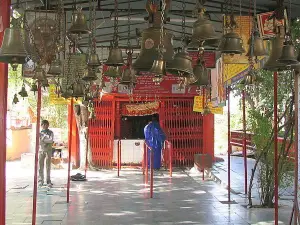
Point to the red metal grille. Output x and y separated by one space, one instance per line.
184 129
101 133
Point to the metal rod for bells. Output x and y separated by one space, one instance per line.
275 151
229 146
152 172
244 141
70 149
37 145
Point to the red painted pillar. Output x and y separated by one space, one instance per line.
75 154
70 149
4 23
208 135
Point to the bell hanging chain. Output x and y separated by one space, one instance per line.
116 24
183 23
93 27
128 25
161 37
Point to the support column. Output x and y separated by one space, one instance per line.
4 23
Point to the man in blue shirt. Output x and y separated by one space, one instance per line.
45 152
154 138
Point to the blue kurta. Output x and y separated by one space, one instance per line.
154 137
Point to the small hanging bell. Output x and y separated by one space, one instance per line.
93 60
39 74
23 93
12 49
201 74
15 100
78 90
55 68
113 72
256 46
90 75
34 88
115 57
203 29
45 83
79 25
231 43
181 65
158 68
288 56
127 75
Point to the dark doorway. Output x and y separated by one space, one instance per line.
132 127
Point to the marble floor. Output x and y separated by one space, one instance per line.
106 199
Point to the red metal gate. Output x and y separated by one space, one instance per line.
184 129
101 133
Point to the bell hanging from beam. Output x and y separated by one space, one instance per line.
149 45
231 43
256 45
55 68
79 25
272 63
202 75
181 65
93 60
23 93
288 56
15 99
126 76
203 29
13 50
77 90
115 57
39 74
90 75
45 83
159 67
66 94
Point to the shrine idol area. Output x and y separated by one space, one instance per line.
156 112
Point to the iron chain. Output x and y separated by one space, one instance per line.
116 25
183 22
128 25
161 38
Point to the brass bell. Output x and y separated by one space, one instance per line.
15 100
90 75
39 74
288 56
256 46
55 68
34 88
149 45
203 29
181 65
113 72
202 75
77 90
231 43
272 63
159 67
13 49
126 76
93 60
115 57
23 93
79 25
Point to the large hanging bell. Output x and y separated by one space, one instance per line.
90 75
231 43
127 76
149 45
93 60
115 57
202 76
256 46
272 63
113 72
203 29
79 25
13 49
158 68
23 93
39 74
55 68
181 65
288 56
78 90
15 100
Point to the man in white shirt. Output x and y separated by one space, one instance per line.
45 152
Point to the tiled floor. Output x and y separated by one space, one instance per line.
106 199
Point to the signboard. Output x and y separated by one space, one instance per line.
266 26
54 99
198 106
244 27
